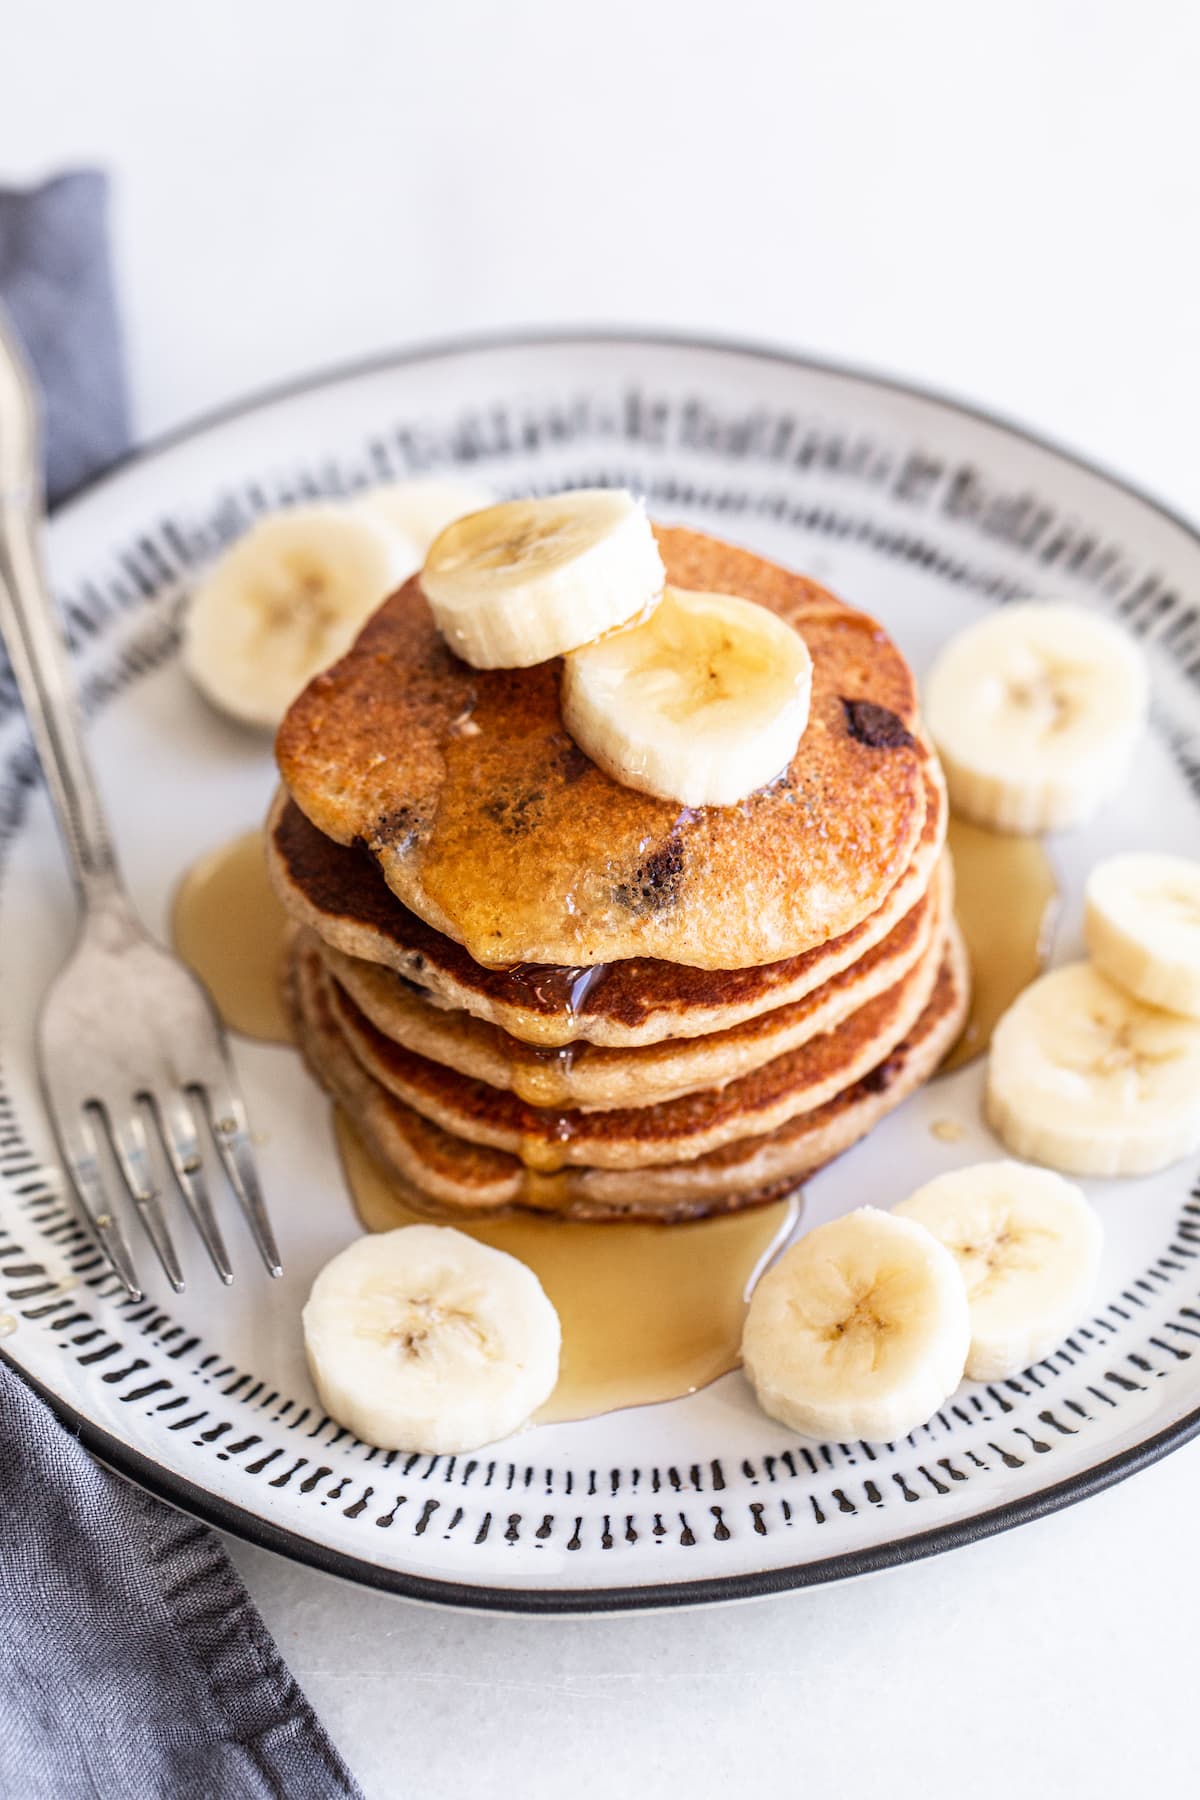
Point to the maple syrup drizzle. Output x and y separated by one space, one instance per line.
649 1312
1006 902
541 1074
557 986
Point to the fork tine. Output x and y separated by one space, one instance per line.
78 1146
227 1121
131 1150
176 1127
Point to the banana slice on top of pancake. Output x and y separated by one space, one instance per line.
703 702
699 698
528 580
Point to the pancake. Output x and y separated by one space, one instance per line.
590 1078
489 823
641 1136
448 1177
338 893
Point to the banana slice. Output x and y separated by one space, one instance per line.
1142 924
1087 1079
1028 1247
703 702
1036 711
425 1339
527 580
287 600
420 509
859 1331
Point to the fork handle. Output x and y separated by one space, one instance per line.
34 642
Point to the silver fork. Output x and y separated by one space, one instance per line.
130 1051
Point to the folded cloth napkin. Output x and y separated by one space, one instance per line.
132 1661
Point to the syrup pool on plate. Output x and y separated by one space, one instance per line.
648 1312
228 925
1006 901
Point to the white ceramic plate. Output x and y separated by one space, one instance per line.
916 509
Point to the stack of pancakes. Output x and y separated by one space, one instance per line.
530 986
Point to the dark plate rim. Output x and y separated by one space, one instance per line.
178 1491
754 1584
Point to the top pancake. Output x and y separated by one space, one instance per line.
489 823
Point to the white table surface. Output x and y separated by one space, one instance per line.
1000 200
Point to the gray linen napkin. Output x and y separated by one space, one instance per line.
56 284
132 1661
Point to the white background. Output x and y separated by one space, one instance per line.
1000 200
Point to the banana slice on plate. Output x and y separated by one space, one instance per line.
526 580
1036 711
287 600
1142 925
425 1339
1087 1079
858 1331
1028 1247
421 508
703 702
